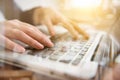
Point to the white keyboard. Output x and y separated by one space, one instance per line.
67 56
65 50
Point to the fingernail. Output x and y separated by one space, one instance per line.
19 49
50 43
39 46
52 33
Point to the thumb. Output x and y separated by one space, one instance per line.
49 25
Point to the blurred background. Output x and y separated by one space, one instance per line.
101 13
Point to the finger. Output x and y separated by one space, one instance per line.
37 35
28 40
71 29
49 25
77 28
11 45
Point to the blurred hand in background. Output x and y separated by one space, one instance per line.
51 17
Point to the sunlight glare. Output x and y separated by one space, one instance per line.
85 3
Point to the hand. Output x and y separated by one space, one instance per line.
50 17
14 29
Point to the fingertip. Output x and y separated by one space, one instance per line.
39 46
49 43
76 37
19 49
52 33
86 37
49 25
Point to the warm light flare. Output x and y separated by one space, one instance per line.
85 3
